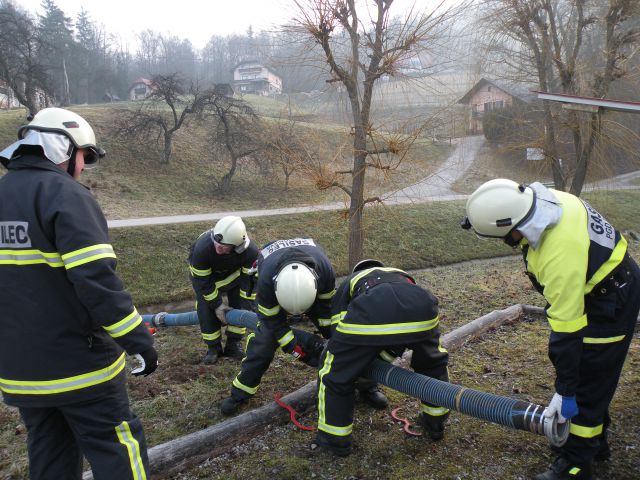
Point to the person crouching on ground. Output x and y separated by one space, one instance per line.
220 264
377 312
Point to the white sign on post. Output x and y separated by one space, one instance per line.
535 154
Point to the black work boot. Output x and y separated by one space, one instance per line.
212 355
562 469
338 446
604 452
374 397
231 405
233 349
433 425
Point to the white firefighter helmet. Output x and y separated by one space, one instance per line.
296 287
498 206
68 123
230 230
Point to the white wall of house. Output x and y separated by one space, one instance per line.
487 98
256 78
8 101
490 97
139 91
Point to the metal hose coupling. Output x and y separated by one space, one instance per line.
506 411
556 432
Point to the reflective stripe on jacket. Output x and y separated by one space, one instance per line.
212 274
383 306
66 316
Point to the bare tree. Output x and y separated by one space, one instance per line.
289 149
20 67
358 51
236 128
546 38
163 112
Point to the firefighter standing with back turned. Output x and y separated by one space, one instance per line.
220 263
66 317
579 262
376 312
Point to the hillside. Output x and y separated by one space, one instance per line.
131 181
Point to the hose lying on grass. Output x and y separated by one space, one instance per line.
512 413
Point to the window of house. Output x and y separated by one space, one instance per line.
140 90
488 89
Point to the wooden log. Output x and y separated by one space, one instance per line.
175 455
461 335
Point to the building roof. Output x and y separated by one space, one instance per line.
618 105
146 81
257 62
483 82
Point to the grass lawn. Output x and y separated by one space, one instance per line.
152 260
496 162
132 182
183 395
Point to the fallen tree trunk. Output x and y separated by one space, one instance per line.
177 454
461 335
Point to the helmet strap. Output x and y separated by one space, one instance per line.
509 240
71 167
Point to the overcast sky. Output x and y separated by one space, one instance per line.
196 20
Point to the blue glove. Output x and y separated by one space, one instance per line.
565 407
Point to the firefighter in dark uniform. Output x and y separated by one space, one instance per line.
66 319
377 312
294 277
579 262
220 263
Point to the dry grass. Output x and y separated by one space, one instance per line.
132 182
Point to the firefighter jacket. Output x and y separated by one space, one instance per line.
272 258
571 265
212 273
66 316
382 306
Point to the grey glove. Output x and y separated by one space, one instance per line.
221 311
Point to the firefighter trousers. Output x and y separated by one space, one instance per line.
601 365
104 430
342 364
600 368
261 348
211 326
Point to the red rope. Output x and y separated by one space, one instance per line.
292 413
406 424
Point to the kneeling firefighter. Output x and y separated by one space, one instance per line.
377 312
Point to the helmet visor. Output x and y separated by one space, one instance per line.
92 155
218 239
